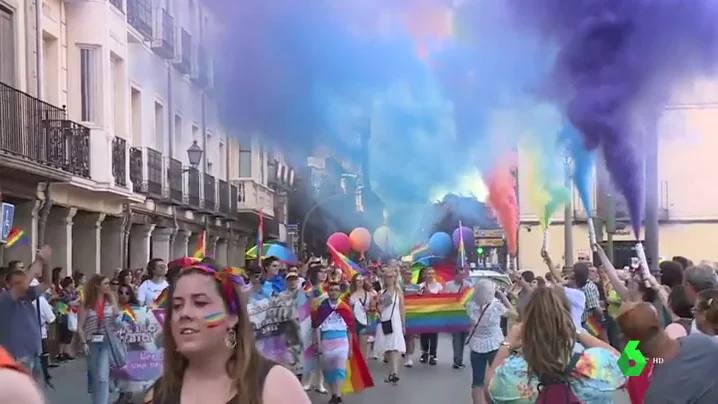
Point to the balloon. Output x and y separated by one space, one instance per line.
468 236
440 244
340 242
360 240
383 238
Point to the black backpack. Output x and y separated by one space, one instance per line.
557 390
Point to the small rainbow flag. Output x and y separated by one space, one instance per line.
16 236
417 252
461 251
128 314
201 250
593 326
62 308
161 300
349 267
429 313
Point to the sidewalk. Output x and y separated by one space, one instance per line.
70 381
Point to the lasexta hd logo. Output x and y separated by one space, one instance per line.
631 353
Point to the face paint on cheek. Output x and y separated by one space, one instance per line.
215 319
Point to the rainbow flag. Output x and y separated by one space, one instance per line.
430 313
358 376
593 327
161 300
349 267
442 272
416 253
461 250
128 314
62 308
201 250
260 237
16 236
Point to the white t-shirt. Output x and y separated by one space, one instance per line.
46 314
432 288
149 291
577 300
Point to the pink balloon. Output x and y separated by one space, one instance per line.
340 242
360 239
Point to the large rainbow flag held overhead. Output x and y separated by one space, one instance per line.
445 312
349 267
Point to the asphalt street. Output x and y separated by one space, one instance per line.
422 384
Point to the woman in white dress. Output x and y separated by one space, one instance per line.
392 323
362 302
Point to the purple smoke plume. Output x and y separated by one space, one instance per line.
618 57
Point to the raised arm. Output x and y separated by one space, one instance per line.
610 271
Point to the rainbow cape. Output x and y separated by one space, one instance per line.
161 301
349 267
128 314
16 236
358 375
201 250
444 312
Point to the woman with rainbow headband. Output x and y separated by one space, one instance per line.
210 354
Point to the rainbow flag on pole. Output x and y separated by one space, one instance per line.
461 259
16 236
349 267
431 313
201 250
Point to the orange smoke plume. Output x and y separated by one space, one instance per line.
502 200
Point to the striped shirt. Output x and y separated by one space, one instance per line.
92 326
593 299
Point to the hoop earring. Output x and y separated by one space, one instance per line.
230 340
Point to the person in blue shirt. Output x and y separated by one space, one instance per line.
272 267
259 289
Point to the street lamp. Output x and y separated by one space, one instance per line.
194 154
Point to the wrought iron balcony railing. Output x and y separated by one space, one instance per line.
174 178
119 161
136 163
193 187
163 41
139 16
183 51
154 172
233 199
223 194
210 190
69 147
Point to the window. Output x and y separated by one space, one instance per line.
88 83
178 135
136 111
245 162
195 132
159 127
7 47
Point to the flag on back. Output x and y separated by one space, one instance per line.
348 266
201 249
260 237
461 259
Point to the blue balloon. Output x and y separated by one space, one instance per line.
440 244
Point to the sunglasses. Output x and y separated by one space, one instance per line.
124 292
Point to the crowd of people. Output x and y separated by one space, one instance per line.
551 339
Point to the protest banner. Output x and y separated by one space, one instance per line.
145 349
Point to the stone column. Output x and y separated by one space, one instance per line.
241 250
212 246
26 218
232 252
59 237
161 243
87 244
139 245
111 244
221 252
181 245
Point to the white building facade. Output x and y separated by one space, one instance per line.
132 161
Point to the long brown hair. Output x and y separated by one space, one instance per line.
243 366
548 333
353 284
91 293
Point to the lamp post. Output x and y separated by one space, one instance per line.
194 155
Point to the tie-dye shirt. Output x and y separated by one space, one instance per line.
594 379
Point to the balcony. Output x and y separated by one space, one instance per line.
193 187
200 66
183 51
174 179
139 16
136 163
154 173
210 190
253 197
223 197
119 161
233 196
35 132
163 40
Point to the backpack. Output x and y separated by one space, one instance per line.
554 390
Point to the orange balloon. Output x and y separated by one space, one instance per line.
360 240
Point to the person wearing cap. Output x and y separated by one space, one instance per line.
293 281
